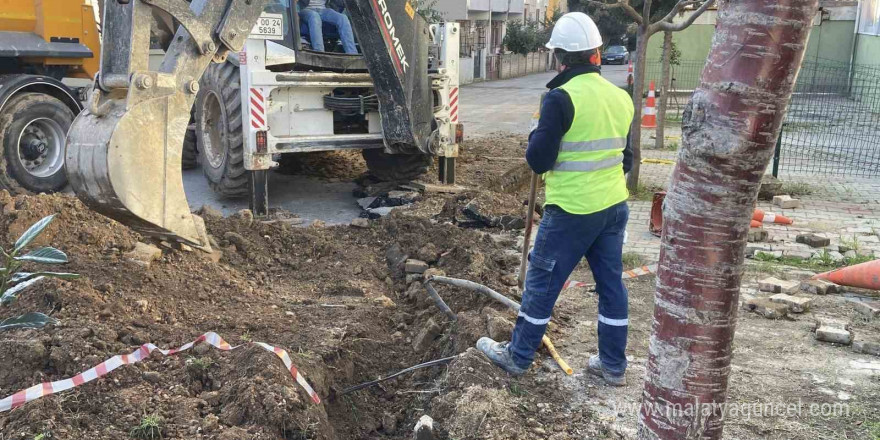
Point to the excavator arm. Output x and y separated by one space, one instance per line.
124 151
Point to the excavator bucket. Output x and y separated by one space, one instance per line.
394 40
124 150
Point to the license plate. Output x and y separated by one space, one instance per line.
269 27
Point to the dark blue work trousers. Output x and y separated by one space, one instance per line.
563 240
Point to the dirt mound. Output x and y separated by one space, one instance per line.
327 295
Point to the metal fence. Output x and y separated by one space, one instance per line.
832 126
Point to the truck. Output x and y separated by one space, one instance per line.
45 47
239 75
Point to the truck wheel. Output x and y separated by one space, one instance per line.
218 131
396 167
190 156
33 129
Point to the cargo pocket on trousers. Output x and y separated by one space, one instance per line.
540 274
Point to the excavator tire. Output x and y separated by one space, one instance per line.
33 132
219 136
190 157
396 167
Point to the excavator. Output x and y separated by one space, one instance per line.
265 94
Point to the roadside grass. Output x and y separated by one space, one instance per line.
796 189
150 428
631 260
645 193
820 263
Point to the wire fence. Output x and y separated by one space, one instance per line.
832 126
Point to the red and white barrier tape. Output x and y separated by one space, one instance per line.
46 388
634 273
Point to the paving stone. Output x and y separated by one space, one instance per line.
786 202
819 287
775 285
797 304
766 308
416 266
834 335
871 309
752 249
798 253
813 240
835 256
757 235
866 347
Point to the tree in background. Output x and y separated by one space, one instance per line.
426 9
670 56
656 16
729 131
523 37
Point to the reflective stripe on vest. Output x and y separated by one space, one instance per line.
589 165
597 145
588 175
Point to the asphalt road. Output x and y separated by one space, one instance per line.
497 106
508 105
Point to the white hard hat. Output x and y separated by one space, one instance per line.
575 32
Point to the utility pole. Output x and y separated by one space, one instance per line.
729 131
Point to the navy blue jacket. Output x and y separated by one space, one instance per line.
557 114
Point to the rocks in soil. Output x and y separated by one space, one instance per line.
428 253
819 287
866 347
360 223
424 429
813 240
766 308
396 259
786 202
208 212
144 254
796 304
245 216
499 328
775 285
425 338
833 330
416 266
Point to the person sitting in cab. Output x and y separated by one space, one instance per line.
314 13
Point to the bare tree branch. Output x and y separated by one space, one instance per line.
669 27
677 8
623 4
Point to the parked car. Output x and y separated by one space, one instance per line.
615 55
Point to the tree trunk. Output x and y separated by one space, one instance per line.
632 181
660 141
728 131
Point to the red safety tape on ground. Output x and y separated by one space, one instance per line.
102 369
627 274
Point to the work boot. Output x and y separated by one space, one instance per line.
499 353
594 366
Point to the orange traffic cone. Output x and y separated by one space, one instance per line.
769 217
629 74
649 116
755 224
865 275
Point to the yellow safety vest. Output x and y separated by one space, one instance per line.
588 174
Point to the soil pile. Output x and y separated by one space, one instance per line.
333 297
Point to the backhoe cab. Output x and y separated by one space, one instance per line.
258 93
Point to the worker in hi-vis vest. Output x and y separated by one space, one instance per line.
582 148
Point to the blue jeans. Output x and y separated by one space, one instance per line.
563 240
315 18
